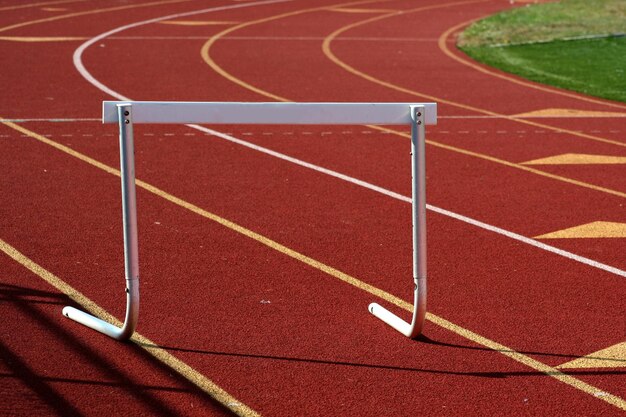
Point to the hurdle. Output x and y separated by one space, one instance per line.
127 113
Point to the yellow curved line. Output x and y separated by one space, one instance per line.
355 282
87 12
206 48
45 3
442 42
328 52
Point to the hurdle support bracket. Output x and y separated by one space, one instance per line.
418 192
131 256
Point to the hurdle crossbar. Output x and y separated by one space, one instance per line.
127 113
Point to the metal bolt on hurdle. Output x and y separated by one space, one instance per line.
131 257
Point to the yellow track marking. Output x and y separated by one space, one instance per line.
468 334
597 229
578 159
25 6
88 12
196 22
532 363
42 38
611 357
467 62
63 148
53 9
570 113
190 374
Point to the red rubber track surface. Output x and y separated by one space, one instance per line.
280 336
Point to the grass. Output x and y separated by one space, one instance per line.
574 44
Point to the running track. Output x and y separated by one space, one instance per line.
256 271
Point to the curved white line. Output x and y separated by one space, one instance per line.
78 61
532 242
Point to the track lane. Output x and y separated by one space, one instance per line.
287 325
112 153
615 252
521 145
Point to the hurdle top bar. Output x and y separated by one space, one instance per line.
269 113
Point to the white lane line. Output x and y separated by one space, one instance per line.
83 71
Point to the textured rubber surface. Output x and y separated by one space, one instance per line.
242 304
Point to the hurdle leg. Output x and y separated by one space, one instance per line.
131 257
418 173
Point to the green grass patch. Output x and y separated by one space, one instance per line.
539 42
548 22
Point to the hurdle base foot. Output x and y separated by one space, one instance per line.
391 319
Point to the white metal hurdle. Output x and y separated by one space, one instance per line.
126 113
